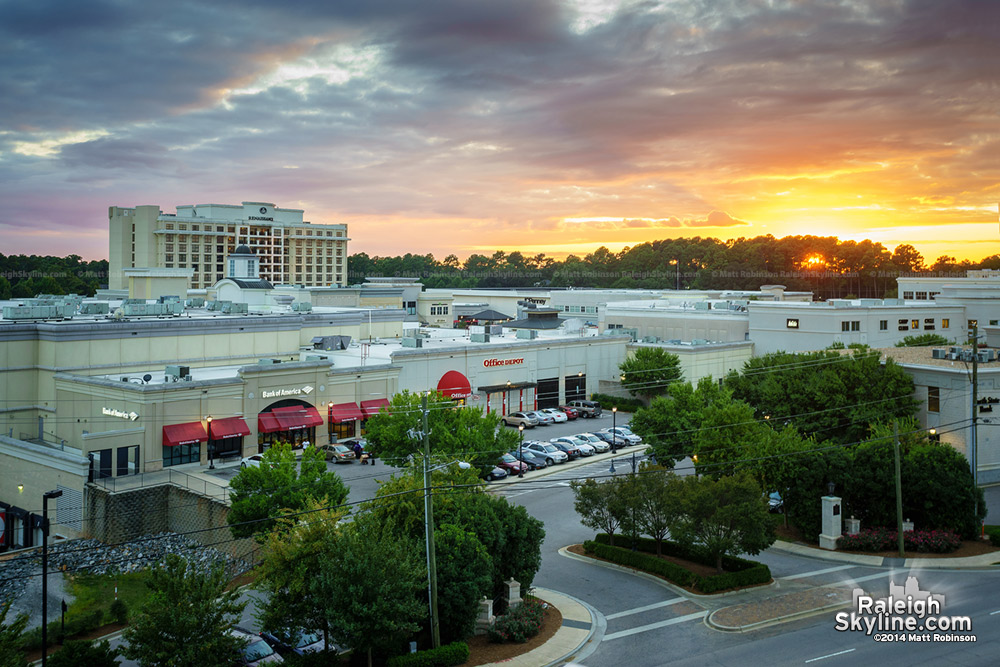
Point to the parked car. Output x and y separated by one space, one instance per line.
251 461
775 504
299 642
571 413
518 418
352 444
558 416
583 446
257 651
571 450
543 419
534 460
625 434
549 452
338 453
609 438
509 463
599 445
586 408
491 473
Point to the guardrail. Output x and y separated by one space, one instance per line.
198 484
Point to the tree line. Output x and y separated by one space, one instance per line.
24 276
824 265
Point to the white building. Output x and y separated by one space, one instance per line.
200 237
978 292
665 320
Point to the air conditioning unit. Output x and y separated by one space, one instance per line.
178 371
939 353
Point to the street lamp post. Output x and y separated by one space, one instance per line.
45 569
520 451
211 446
614 435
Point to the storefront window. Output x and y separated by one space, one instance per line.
179 454
342 430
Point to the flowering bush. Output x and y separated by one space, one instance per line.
883 539
518 625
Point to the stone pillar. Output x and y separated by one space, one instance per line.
485 617
832 521
852 526
513 593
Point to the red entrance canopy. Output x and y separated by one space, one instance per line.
374 406
344 412
454 385
183 434
268 423
294 417
227 427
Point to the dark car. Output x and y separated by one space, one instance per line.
257 651
534 461
572 451
509 463
490 473
299 642
608 438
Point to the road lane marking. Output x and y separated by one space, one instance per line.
639 610
993 613
824 657
803 575
880 575
654 626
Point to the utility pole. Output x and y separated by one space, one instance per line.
429 530
899 488
974 445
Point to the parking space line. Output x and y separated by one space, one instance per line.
639 610
803 575
654 626
824 657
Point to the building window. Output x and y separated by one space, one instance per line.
883 325
792 323
908 296
972 323
921 296
411 307
914 324
929 324
856 325
845 326
933 294
933 399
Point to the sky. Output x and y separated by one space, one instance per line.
468 126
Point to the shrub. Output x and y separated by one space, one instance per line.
446 656
519 624
883 539
993 532
119 611
83 652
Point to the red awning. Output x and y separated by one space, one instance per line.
344 412
268 423
454 385
227 427
183 434
294 417
374 406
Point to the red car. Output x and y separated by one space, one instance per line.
571 413
511 465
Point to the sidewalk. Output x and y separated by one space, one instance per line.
982 560
579 622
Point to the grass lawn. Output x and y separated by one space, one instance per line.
94 592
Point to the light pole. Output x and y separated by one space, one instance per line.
520 451
211 447
614 436
45 569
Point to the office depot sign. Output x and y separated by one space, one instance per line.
490 363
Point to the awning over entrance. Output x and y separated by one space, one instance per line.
294 417
454 385
374 406
183 434
344 412
495 388
267 422
227 427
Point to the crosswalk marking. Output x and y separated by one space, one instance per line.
639 610
803 575
654 626
880 575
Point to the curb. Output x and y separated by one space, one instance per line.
564 551
771 621
986 561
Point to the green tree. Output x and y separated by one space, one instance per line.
654 493
289 565
464 572
85 653
186 619
371 583
454 432
923 340
260 493
602 506
10 637
5 290
650 371
670 422
727 434
727 516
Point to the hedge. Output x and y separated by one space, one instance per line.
608 401
75 625
993 532
883 539
739 571
446 656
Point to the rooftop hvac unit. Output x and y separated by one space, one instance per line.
176 372
954 356
955 350
413 342
991 355
267 362
527 334
939 353
480 338
651 339
702 305
495 329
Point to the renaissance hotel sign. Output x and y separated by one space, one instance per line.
490 363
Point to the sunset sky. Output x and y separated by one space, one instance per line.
464 126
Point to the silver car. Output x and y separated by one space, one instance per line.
528 419
543 419
586 449
599 445
549 452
